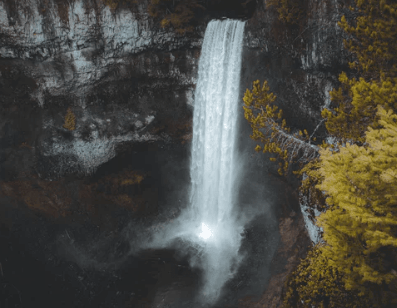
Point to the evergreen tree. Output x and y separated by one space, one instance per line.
315 283
271 130
357 175
372 42
360 183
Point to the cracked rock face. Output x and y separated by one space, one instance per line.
125 79
86 41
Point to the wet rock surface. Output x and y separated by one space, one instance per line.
74 201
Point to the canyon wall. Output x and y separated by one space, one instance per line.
124 79
127 80
301 61
96 121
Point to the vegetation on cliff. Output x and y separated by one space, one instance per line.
70 120
325 287
373 35
183 15
271 130
289 11
352 181
178 14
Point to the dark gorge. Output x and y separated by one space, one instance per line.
97 122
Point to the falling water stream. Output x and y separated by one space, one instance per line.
213 162
209 223
214 148
214 122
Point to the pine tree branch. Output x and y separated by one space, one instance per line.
312 149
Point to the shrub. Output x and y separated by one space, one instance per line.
70 120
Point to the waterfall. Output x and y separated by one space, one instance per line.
214 122
213 162
209 223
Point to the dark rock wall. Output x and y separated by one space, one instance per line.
67 195
124 79
301 61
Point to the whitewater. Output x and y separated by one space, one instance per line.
209 223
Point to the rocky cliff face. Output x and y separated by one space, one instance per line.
301 61
95 122
124 79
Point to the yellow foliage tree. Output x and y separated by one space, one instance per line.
361 185
315 283
357 175
357 102
271 130
70 120
373 34
289 11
